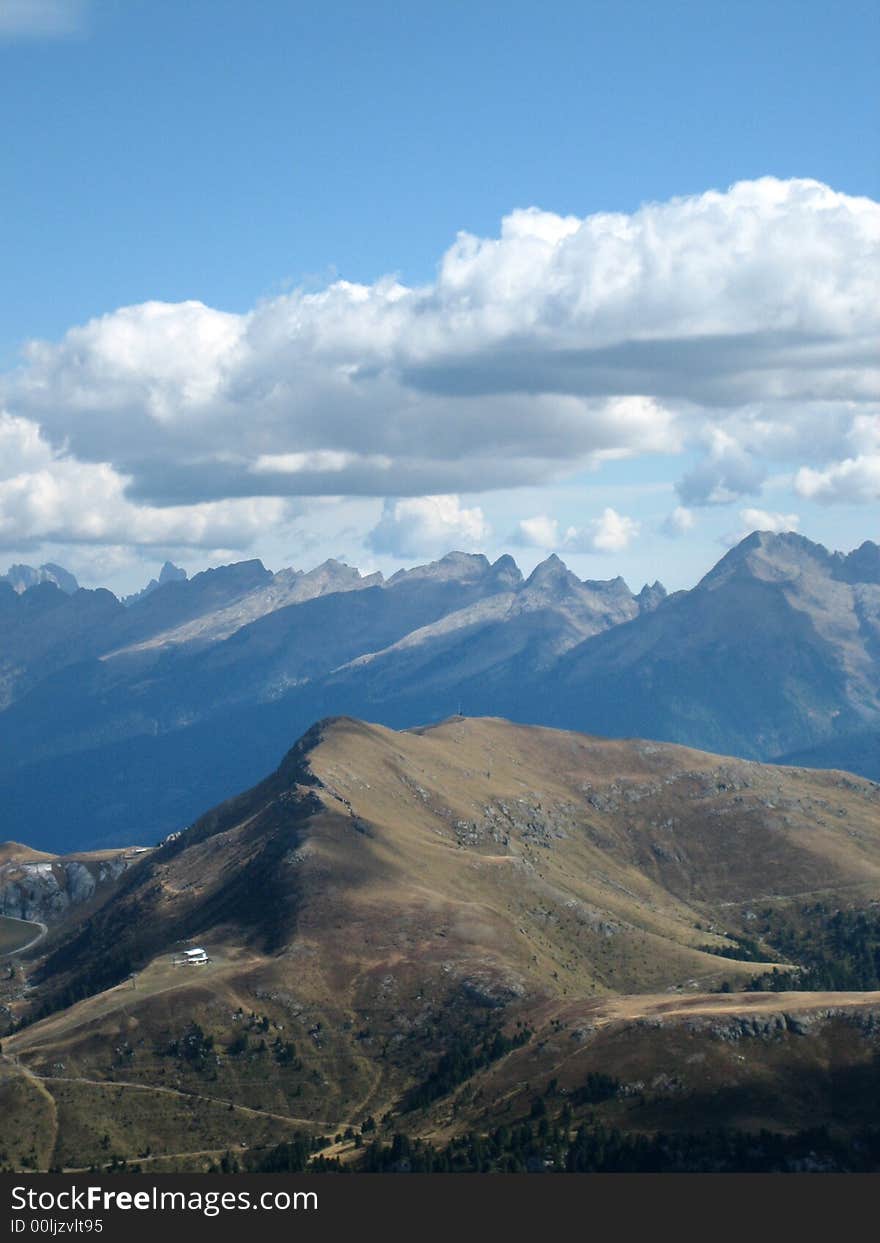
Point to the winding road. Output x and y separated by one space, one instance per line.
32 923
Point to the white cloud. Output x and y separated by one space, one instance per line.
761 520
726 472
855 479
28 19
22 447
420 526
737 324
679 522
47 495
610 532
764 520
537 532
740 315
852 481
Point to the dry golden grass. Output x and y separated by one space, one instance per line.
783 1061
424 882
29 1121
100 1120
15 852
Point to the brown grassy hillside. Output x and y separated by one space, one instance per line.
385 893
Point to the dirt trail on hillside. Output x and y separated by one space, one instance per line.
40 1087
190 1096
38 923
632 1007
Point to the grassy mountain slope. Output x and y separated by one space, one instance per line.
384 897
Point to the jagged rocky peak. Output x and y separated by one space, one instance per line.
785 556
463 567
507 573
220 583
245 574
651 596
22 577
223 582
341 573
771 556
862 565
331 576
616 588
171 573
552 575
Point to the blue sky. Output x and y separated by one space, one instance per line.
233 154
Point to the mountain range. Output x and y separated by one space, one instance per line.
122 721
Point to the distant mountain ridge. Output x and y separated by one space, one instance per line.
170 573
145 713
22 577
776 648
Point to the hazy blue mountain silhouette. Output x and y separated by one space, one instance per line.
124 723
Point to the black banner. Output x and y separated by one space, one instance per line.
110 1207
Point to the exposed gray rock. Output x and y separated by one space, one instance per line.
22 577
170 573
45 891
491 991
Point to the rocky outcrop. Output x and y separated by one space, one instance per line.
170 573
45 891
776 1024
651 597
22 577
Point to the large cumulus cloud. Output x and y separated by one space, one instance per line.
855 479
739 324
49 496
415 526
